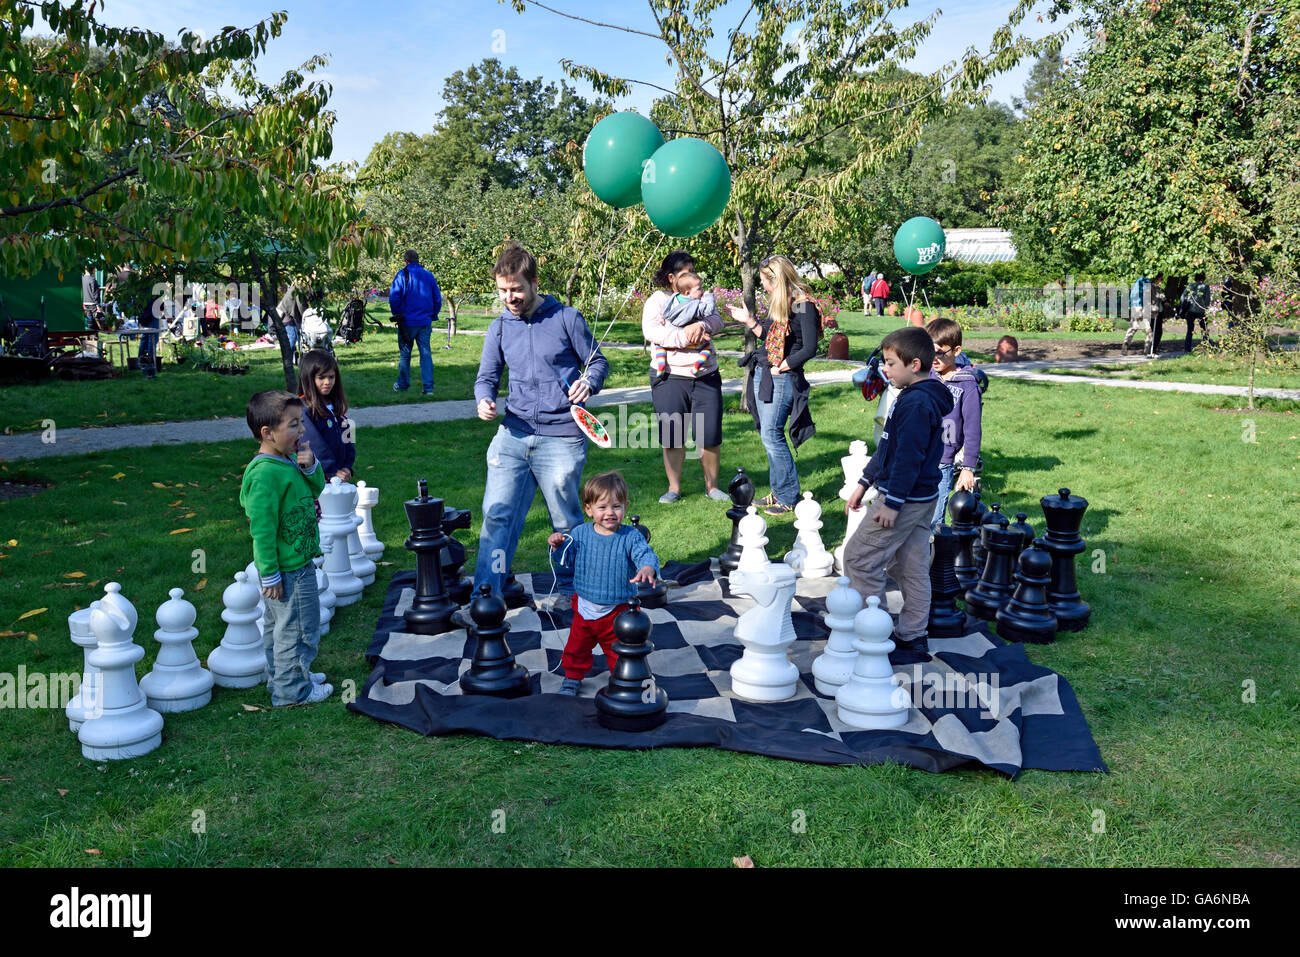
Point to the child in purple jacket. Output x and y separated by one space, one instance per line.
961 427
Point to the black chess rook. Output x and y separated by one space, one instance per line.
946 619
431 610
632 701
741 491
1064 514
493 670
963 508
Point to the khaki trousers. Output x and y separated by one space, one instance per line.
904 553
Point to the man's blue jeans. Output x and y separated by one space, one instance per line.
148 355
291 635
418 336
519 463
945 486
772 417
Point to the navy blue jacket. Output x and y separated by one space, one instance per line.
326 438
539 350
905 466
415 297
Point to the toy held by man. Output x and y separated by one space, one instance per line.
632 701
431 609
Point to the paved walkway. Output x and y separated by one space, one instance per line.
82 441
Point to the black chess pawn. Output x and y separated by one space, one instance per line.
513 592
985 516
993 590
431 610
1024 528
1064 514
493 670
632 701
741 491
962 508
459 589
946 619
650 596
1027 615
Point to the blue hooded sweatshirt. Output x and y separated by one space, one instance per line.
540 351
905 466
415 297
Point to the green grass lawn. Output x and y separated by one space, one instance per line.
1280 371
1197 599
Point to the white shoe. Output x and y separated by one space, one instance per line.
318 694
317 677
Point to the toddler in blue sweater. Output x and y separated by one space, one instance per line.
604 552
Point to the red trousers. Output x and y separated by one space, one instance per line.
584 635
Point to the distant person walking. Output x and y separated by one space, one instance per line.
1195 304
1139 310
867 280
414 300
880 293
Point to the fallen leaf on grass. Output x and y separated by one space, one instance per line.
12 543
392 860
189 515
32 613
119 475
89 541
179 501
12 634
177 531
93 850
74 574
158 485
62 791
252 707
116 502
742 861
203 583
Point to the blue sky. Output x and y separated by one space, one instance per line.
388 59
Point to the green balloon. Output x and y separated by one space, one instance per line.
685 186
919 245
616 150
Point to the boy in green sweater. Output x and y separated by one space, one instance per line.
279 496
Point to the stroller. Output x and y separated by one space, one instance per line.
314 332
354 317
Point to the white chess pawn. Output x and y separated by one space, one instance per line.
809 557
751 540
177 682
832 668
323 590
338 518
872 700
367 499
240 660
119 724
84 638
765 672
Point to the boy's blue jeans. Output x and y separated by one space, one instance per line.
406 337
519 463
772 417
291 635
945 486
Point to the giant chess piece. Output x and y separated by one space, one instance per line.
177 682
240 660
946 619
121 724
513 592
84 701
431 610
764 672
647 595
362 566
338 519
459 589
631 701
367 499
853 464
963 507
1028 616
493 670
1064 514
809 557
990 517
871 700
1025 529
993 590
741 491
323 591
832 668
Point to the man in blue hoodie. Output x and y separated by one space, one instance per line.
895 535
414 301
554 364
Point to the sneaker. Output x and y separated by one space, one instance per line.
920 645
317 677
397 388
569 687
768 499
777 509
318 694
669 496
718 495
426 392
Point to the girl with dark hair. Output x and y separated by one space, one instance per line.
324 414
690 394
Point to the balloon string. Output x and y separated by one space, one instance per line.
654 252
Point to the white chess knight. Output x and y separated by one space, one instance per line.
81 635
177 682
367 499
119 724
808 556
240 660
832 668
853 465
338 518
764 672
872 700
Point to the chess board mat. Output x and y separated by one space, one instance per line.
1036 723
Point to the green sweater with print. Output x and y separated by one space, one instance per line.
280 502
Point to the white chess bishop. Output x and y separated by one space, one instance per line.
808 556
339 519
240 660
871 700
177 682
764 672
367 499
119 724
832 668
853 464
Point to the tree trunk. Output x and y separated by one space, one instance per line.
270 279
451 320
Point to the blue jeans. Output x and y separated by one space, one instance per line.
772 417
418 336
519 463
291 332
291 635
148 355
945 486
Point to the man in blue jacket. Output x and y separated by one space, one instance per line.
554 364
414 301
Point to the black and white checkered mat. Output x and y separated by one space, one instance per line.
976 701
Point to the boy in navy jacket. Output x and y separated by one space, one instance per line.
895 536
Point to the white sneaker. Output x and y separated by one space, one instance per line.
317 677
318 694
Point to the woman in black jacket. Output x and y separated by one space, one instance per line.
790 337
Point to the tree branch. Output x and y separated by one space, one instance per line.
595 23
69 200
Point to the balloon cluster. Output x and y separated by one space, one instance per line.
919 245
684 183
